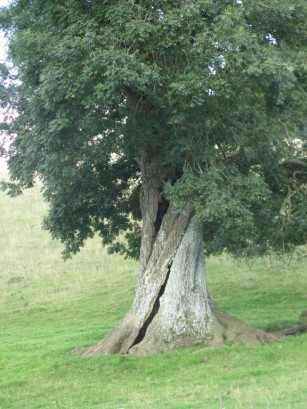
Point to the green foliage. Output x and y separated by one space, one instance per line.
235 208
204 88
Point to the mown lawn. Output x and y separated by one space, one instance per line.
51 310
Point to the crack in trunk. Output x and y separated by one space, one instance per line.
154 311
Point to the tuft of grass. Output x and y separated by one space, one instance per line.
51 310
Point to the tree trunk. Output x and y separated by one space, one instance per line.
172 306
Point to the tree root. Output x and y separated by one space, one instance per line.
290 331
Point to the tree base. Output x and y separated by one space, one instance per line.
225 330
173 308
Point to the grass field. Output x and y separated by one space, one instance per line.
51 310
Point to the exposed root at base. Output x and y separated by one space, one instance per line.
290 331
231 331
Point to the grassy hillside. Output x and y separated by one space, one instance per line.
51 310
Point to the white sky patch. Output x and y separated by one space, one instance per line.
2 48
3 3
271 39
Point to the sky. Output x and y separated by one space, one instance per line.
2 48
3 3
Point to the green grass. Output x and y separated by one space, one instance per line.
51 310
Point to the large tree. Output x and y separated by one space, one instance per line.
163 126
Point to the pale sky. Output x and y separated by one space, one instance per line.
2 48
3 3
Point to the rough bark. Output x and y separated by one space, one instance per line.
172 306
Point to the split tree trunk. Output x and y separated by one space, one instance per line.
172 306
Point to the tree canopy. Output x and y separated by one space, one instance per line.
211 91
